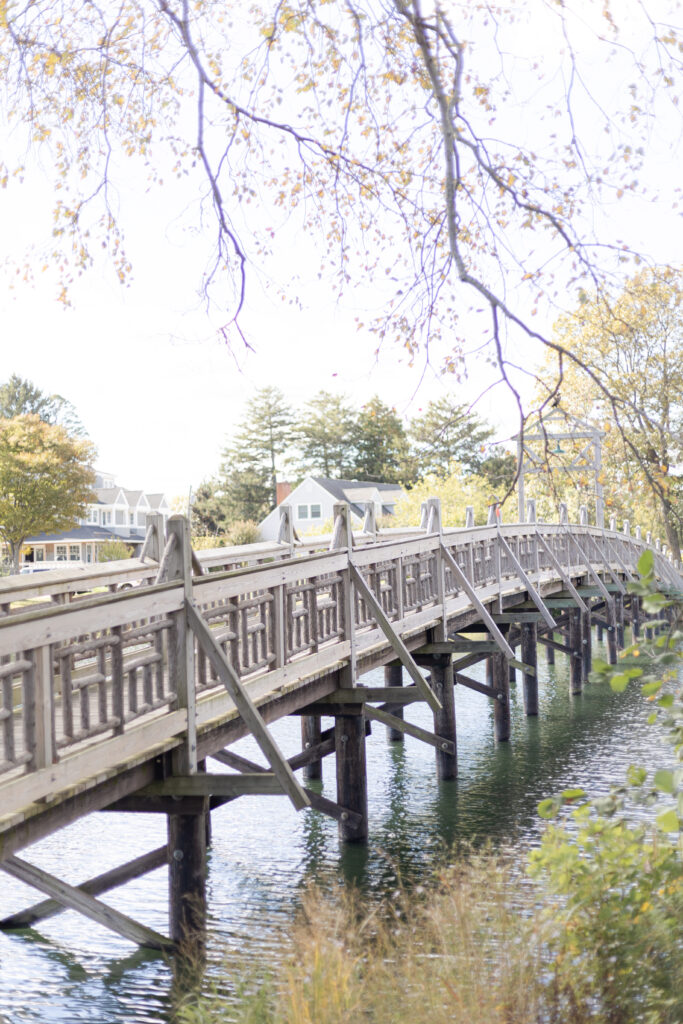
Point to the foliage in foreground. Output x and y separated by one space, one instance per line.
594 934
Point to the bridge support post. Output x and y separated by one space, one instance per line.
635 615
619 610
501 707
352 779
187 878
393 676
550 651
310 737
529 657
587 642
600 633
610 611
441 671
575 651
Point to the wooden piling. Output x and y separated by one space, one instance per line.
611 633
352 781
587 643
393 676
310 737
501 706
444 719
619 611
529 657
550 651
187 878
635 615
576 651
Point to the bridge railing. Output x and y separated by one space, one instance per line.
88 684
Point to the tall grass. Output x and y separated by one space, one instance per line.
466 948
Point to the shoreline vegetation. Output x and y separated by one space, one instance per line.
480 943
587 927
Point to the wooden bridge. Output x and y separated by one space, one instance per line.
118 682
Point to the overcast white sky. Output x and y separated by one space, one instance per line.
155 388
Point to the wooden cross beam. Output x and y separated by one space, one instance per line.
318 802
411 730
92 887
76 899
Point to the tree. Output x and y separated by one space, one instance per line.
259 446
45 479
380 444
448 432
19 397
323 435
114 551
408 149
210 510
633 348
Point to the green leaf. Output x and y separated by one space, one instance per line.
664 780
599 665
569 795
646 563
548 808
666 700
649 688
667 821
619 682
652 718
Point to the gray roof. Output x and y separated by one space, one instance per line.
338 489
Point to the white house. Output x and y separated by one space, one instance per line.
116 514
313 501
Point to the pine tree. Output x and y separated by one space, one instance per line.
258 449
20 397
447 432
381 446
323 436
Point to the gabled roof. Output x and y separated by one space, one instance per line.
157 500
110 495
355 491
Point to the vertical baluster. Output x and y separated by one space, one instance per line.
117 698
102 686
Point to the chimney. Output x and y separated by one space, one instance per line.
283 490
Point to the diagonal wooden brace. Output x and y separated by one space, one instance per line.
503 645
561 573
591 571
246 707
531 590
76 899
401 725
394 639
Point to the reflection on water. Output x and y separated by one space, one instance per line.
263 853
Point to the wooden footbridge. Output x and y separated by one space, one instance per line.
121 682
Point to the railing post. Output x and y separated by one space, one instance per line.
469 517
155 547
43 692
285 533
180 568
564 515
583 515
370 520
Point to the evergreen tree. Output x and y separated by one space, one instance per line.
323 436
258 450
381 446
210 510
19 397
447 432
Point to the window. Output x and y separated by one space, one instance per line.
39 554
93 514
60 552
120 517
316 512
302 512
74 552
131 518
106 518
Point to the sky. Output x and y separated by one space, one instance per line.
157 389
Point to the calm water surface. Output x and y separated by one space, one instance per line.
263 853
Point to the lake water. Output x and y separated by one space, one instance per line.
263 853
